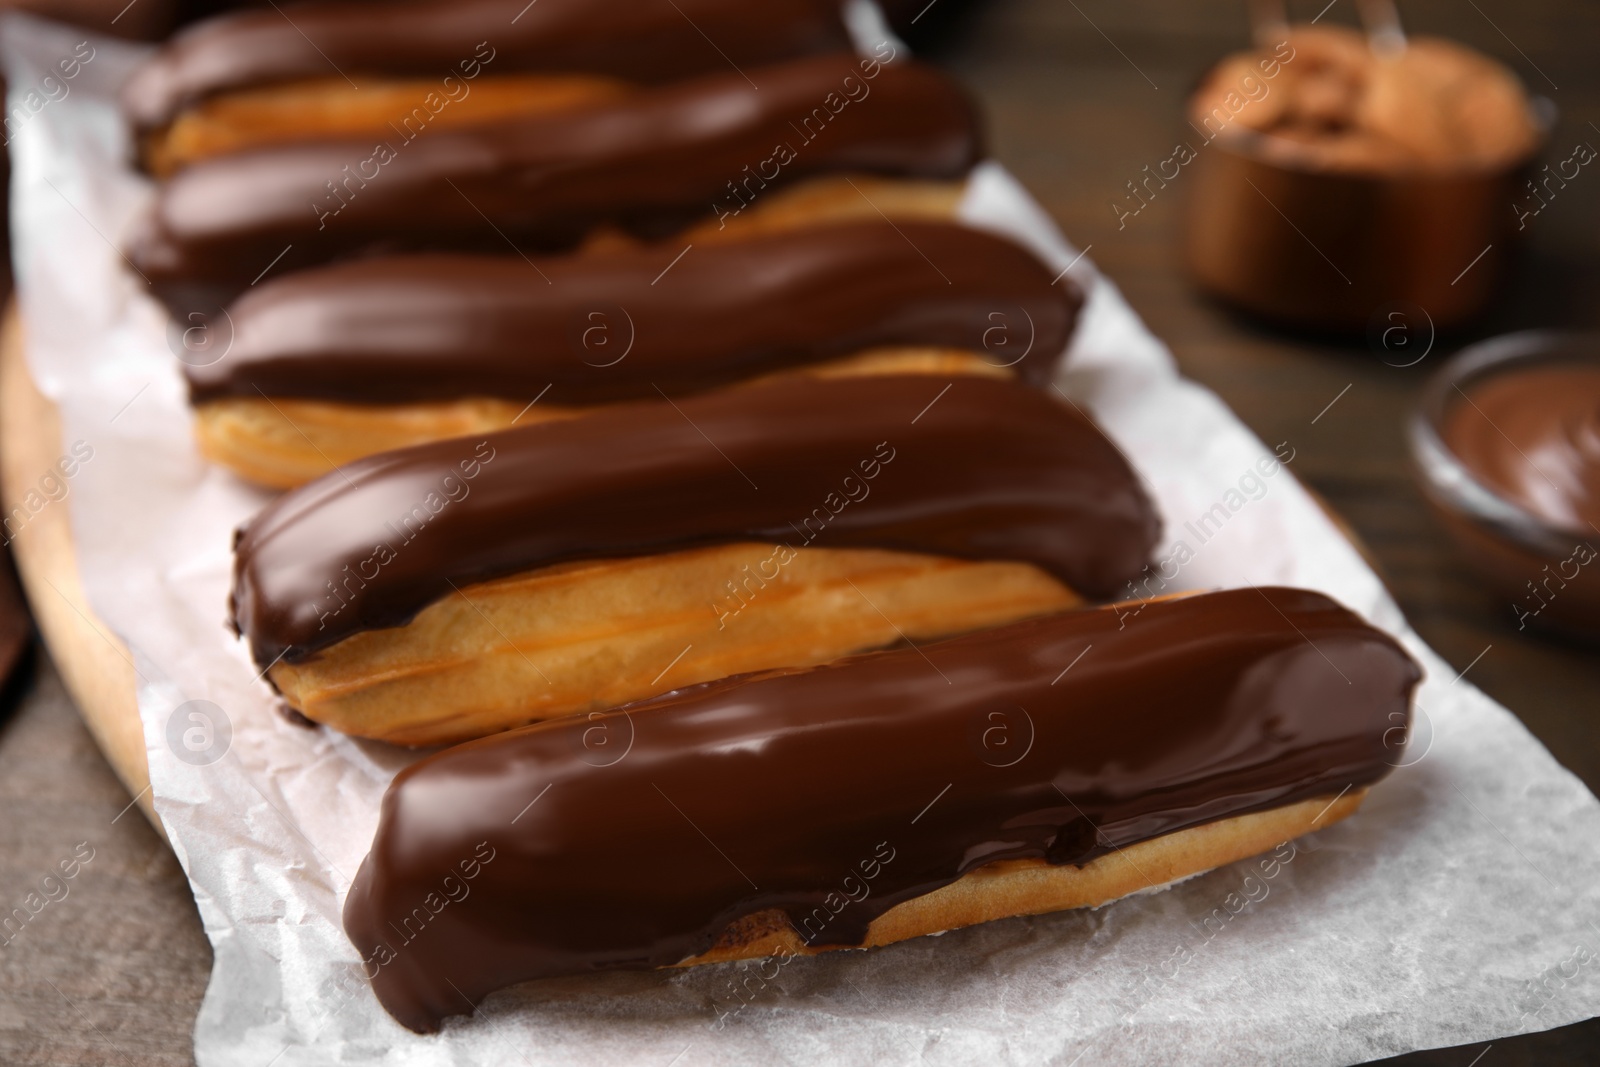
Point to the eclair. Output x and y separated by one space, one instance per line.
649 165
459 588
330 364
251 78
1059 762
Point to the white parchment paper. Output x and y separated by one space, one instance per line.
1459 906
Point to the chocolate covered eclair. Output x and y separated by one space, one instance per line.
1054 763
458 588
330 364
248 78
649 164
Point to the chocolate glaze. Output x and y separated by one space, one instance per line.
974 468
641 40
601 328
1532 435
649 164
834 793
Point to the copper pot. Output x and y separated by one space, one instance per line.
1288 240
1328 250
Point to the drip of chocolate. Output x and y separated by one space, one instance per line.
634 838
973 468
601 328
639 40
650 164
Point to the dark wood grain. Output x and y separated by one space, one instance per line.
113 973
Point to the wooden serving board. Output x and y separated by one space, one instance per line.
93 662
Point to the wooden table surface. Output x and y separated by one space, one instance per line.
1080 95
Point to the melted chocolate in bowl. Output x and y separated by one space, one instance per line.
1533 436
796 790
1507 447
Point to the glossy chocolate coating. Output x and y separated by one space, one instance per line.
974 468
874 780
600 328
1532 435
649 164
640 40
